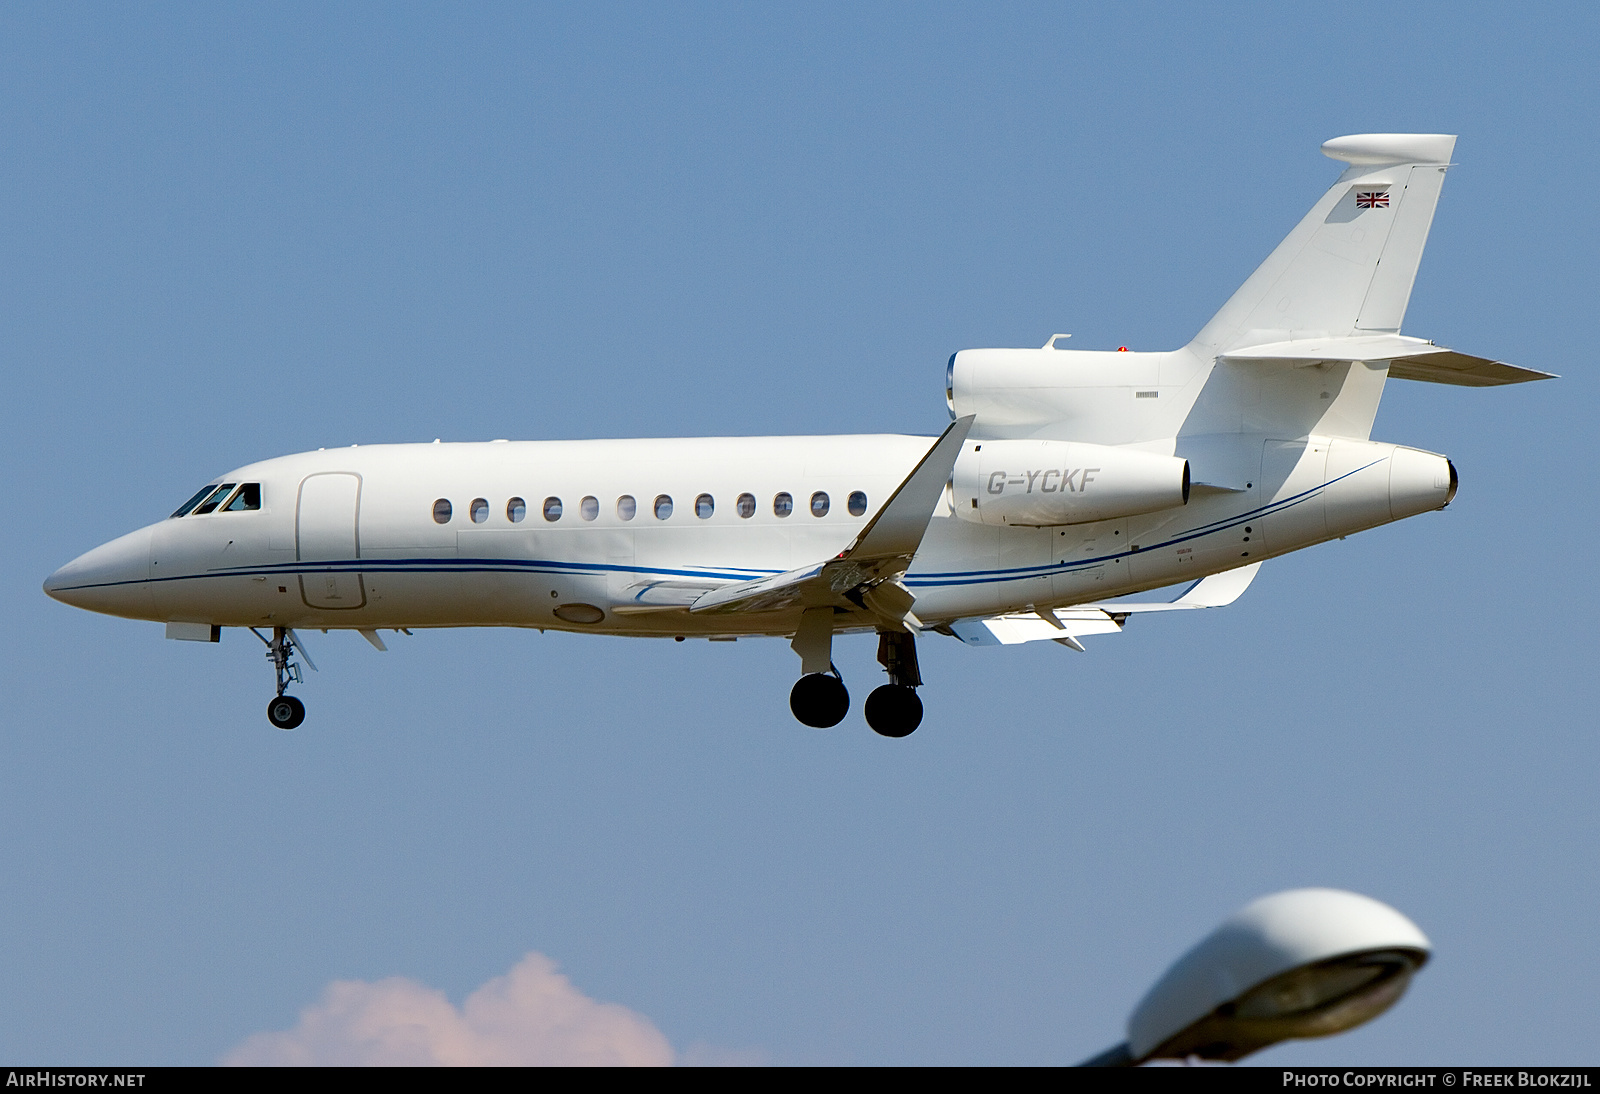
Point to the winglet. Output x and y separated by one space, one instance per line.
869 568
898 528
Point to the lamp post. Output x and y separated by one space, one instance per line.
1302 963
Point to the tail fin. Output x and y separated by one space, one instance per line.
1348 267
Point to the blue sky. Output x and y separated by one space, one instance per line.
232 233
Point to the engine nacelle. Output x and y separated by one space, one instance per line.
1042 483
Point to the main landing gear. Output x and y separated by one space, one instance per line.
819 698
894 709
285 711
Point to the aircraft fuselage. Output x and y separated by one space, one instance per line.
542 534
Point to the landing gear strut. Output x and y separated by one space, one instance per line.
819 698
285 711
894 710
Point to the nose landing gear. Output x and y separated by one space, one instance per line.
285 711
894 710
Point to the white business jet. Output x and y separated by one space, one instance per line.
1066 480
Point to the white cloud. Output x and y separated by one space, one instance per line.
531 1015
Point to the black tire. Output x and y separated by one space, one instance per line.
286 712
894 710
819 700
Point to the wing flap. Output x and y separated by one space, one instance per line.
1011 630
762 594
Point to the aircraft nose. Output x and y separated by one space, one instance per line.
113 578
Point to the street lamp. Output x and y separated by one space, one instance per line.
1302 963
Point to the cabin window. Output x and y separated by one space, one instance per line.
782 505
663 508
704 506
442 511
200 495
819 504
248 498
746 505
627 507
552 509
479 510
215 499
589 508
516 509
857 503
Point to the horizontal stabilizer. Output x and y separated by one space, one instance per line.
1449 367
1412 359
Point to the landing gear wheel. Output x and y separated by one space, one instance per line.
286 712
894 710
819 700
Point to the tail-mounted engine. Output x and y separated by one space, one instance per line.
1043 483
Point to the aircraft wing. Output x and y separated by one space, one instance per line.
763 594
652 597
865 576
1066 625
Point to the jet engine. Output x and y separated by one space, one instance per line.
1044 483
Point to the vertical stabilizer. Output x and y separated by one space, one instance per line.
1348 267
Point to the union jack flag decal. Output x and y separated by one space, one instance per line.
1372 199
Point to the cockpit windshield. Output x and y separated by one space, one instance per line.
248 497
215 499
223 499
200 495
